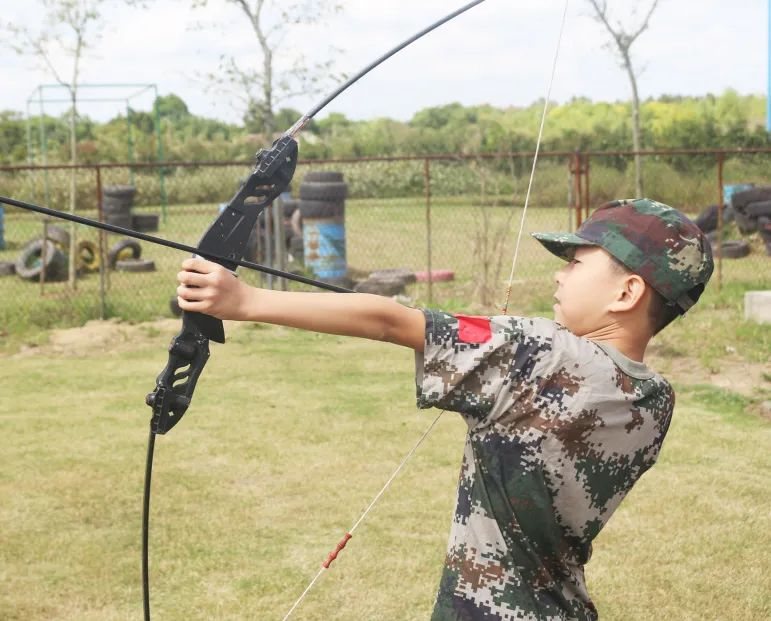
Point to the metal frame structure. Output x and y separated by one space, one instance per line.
39 97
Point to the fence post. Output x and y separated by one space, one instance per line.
577 186
427 188
720 208
279 245
587 202
102 245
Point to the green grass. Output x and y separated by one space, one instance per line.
289 437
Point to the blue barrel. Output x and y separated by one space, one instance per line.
2 229
324 246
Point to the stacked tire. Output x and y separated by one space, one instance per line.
46 257
117 202
322 208
750 206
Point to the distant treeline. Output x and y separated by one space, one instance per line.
669 122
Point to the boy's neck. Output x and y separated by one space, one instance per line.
631 345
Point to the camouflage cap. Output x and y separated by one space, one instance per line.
653 240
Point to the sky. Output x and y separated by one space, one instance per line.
498 53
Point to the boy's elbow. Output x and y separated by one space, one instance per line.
404 326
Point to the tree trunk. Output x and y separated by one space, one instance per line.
636 130
267 91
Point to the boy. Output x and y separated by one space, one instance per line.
563 415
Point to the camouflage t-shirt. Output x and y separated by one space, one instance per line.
560 428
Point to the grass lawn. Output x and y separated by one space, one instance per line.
289 437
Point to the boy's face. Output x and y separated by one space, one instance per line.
585 288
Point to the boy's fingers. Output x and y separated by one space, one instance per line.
189 305
192 279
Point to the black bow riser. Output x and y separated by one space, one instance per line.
227 237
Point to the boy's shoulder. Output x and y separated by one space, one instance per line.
540 350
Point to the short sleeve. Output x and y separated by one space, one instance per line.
469 361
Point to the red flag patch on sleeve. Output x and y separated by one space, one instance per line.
473 329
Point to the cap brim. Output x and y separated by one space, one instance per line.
562 245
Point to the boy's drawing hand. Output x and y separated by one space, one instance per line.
207 287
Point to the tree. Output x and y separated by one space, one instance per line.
64 33
624 39
261 88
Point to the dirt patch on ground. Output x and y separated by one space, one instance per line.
109 337
731 372
101 337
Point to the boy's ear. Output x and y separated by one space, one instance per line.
630 294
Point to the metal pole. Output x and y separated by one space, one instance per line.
102 247
427 186
570 201
129 142
159 151
30 151
44 148
278 238
577 186
587 196
268 244
43 257
720 207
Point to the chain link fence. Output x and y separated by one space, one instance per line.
452 220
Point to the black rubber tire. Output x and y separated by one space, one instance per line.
735 249
88 256
401 274
290 205
740 199
7 268
29 265
144 222
122 220
321 209
707 219
116 206
327 192
323 176
135 265
758 209
744 224
58 236
120 191
174 306
122 250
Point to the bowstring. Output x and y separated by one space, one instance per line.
505 308
428 430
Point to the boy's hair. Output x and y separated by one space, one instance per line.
660 312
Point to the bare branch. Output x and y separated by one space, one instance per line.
644 25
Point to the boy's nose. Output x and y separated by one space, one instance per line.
558 275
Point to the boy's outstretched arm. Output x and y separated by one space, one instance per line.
209 288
